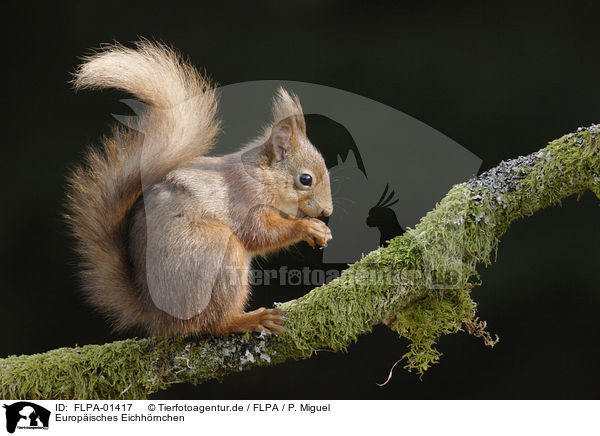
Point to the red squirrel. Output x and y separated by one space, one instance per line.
166 234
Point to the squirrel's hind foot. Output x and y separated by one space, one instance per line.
259 320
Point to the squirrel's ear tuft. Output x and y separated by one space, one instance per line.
286 105
283 140
288 125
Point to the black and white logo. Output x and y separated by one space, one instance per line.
26 415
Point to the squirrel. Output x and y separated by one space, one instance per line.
166 234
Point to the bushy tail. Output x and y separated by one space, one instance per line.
179 125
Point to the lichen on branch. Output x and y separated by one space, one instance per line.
419 285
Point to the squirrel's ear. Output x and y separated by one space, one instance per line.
301 123
287 105
284 138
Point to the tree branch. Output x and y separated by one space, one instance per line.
419 285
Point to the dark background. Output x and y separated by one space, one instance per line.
500 80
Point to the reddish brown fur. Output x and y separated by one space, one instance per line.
267 230
107 214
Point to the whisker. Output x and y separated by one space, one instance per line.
346 199
338 206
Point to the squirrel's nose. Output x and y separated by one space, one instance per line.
327 211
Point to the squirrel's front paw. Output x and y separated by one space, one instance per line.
315 232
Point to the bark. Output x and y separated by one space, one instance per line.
419 285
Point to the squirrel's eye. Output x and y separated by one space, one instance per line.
305 179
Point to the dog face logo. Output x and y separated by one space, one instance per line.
367 147
26 415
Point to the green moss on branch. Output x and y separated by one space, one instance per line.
420 285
